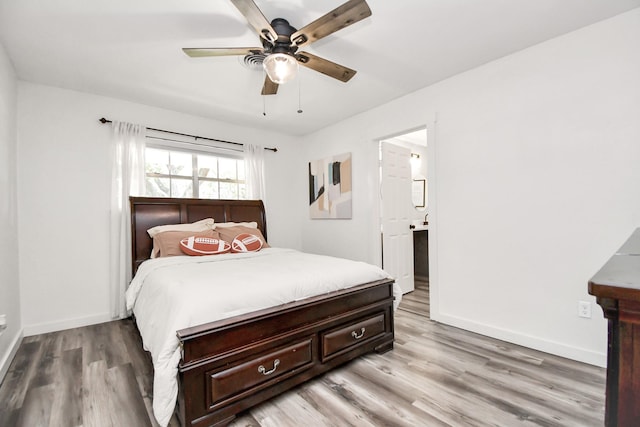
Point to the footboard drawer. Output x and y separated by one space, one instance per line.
262 370
343 338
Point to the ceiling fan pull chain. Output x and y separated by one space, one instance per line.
300 93
264 105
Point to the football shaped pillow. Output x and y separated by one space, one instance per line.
195 245
246 242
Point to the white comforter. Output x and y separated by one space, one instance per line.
168 294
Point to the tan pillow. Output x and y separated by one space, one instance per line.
168 242
229 233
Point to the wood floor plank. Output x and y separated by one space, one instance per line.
337 411
67 408
360 398
555 388
395 401
345 410
71 339
448 411
104 342
529 403
48 365
96 411
15 384
417 301
299 408
126 402
270 415
36 410
140 360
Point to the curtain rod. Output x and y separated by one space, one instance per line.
103 121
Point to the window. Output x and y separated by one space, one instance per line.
181 173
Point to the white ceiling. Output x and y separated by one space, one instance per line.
131 49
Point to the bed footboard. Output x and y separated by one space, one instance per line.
231 365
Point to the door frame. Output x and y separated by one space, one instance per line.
432 207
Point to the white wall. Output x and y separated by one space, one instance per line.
536 164
64 188
9 284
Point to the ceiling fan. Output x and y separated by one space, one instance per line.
280 43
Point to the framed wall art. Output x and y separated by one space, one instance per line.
330 187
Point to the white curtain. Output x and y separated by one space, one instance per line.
127 179
254 171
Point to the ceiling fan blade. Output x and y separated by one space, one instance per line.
325 66
256 19
269 87
221 51
339 18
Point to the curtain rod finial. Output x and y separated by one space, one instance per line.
103 120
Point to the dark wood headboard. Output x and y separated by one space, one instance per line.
147 212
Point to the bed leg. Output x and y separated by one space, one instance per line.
383 348
225 422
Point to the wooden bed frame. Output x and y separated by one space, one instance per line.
230 365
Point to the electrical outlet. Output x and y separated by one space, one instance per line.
584 309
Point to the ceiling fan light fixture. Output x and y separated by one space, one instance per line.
280 67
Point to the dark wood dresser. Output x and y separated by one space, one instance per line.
617 289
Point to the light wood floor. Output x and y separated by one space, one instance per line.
435 376
417 302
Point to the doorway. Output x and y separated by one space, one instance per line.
404 215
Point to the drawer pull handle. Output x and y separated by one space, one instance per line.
264 371
356 335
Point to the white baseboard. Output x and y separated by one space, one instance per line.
7 358
536 343
43 328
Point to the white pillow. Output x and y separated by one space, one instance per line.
202 225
